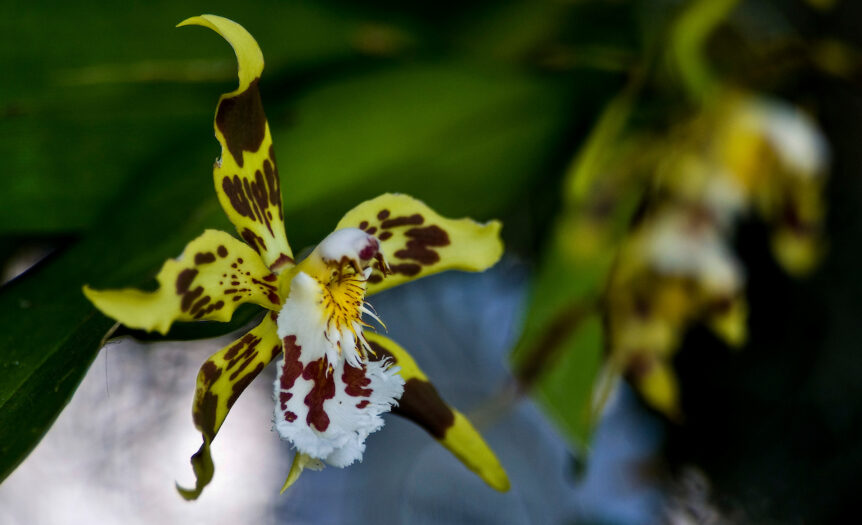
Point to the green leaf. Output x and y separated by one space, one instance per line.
443 132
559 353
572 379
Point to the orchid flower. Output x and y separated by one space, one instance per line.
334 378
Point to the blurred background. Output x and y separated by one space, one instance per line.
671 336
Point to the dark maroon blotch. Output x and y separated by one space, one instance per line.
322 389
422 404
189 298
240 385
242 122
204 414
210 372
355 381
204 258
184 280
414 219
408 269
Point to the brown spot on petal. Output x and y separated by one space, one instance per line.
233 351
240 385
260 198
204 258
273 183
233 188
402 221
363 225
210 372
322 389
420 239
422 404
254 240
184 280
375 278
200 304
222 251
408 269
281 261
362 404
384 236
355 380
290 370
189 297
204 414
382 214
242 122
292 366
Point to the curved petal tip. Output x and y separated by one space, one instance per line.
248 53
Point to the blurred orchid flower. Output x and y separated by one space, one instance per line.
745 154
334 380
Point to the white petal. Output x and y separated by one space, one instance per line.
303 316
677 247
351 414
793 135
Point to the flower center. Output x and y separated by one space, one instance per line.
327 296
343 301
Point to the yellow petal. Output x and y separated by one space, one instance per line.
730 322
221 380
416 241
214 275
300 462
422 405
246 177
655 380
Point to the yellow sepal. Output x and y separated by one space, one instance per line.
300 462
660 389
248 53
213 276
731 323
422 405
246 176
416 241
221 380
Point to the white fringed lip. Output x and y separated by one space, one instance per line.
329 397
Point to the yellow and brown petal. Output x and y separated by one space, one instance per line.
422 404
221 380
246 176
416 241
214 275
